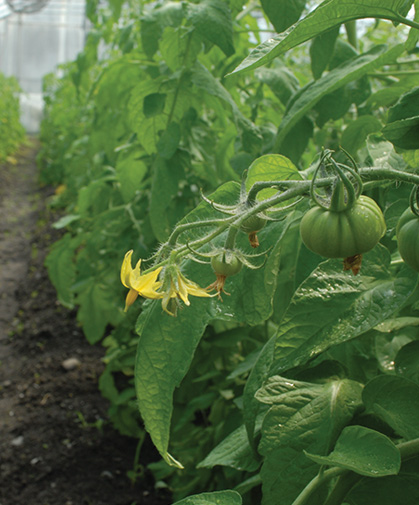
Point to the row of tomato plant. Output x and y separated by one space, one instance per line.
11 130
263 371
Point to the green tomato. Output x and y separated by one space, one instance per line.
226 263
253 223
346 233
407 233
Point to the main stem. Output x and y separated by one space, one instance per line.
287 190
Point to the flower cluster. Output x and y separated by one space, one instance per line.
175 286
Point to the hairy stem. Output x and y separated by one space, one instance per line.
197 224
287 190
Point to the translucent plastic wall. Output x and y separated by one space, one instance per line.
31 45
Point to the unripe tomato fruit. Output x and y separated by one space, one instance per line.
253 223
346 233
407 233
226 263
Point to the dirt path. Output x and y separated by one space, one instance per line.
56 446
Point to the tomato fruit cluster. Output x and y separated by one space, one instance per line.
340 234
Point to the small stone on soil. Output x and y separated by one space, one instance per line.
71 364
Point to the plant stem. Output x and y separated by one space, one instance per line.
303 187
290 190
316 482
182 74
342 487
375 173
409 449
197 224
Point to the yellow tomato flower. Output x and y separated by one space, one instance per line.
181 287
143 285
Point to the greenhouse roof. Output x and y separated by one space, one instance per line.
4 9
50 8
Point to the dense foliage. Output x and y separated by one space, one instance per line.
271 374
11 130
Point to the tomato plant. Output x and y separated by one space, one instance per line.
308 374
11 130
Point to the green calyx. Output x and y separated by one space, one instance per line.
345 193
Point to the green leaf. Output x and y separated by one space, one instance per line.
329 14
382 153
386 491
404 133
96 311
202 78
271 167
234 451
61 267
169 141
349 71
321 51
289 261
214 498
165 185
178 100
363 451
407 361
131 171
281 81
413 37
65 221
331 307
295 143
384 97
95 196
154 22
396 401
406 107
212 20
397 323
354 135
402 128
165 351
283 13
303 417
179 48
154 104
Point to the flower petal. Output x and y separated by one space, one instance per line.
182 289
146 285
126 269
194 290
130 299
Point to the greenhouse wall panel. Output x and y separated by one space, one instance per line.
33 44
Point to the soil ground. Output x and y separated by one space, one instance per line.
56 445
